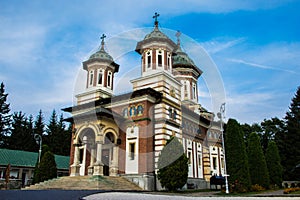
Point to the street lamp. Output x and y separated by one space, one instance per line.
38 140
221 114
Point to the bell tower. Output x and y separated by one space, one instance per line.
185 71
100 69
156 51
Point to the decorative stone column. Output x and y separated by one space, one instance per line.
75 166
113 169
92 161
98 166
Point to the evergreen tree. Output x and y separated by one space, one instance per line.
257 163
36 174
273 164
39 124
32 145
5 117
18 138
236 157
47 167
66 137
288 141
58 136
247 130
269 129
173 165
51 130
21 137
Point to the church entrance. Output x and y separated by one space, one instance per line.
107 153
86 143
105 160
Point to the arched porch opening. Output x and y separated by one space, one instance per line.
109 154
86 148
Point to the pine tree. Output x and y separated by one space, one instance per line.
5 117
273 164
47 167
66 136
39 124
32 145
51 130
58 137
257 163
236 157
17 139
288 141
173 165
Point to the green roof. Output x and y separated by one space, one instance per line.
28 159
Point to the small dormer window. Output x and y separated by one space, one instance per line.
91 77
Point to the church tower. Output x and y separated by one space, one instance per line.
100 69
156 51
187 73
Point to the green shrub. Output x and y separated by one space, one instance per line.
47 167
173 166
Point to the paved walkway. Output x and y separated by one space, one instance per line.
143 196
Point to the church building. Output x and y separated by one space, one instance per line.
123 135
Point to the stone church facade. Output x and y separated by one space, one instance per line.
123 135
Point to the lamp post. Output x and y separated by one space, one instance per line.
38 140
221 114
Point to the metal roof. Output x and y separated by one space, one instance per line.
19 158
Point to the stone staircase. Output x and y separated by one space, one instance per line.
85 183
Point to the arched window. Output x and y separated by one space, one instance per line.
91 77
174 115
109 79
140 110
109 138
148 59
169 58
100 77
125 112
194 91
159 57
170 113
132 111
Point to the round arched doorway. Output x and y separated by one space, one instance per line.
108 153
86 143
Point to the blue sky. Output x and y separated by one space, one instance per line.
255 46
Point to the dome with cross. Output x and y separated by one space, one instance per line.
101 53
181 59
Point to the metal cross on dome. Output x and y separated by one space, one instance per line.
178 33
156 15
102 40
102 37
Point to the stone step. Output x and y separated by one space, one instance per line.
85 183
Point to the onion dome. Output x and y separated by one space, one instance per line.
102 56
155 36
181 59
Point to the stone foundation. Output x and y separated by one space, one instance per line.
144 181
